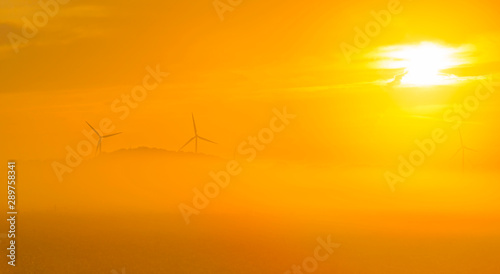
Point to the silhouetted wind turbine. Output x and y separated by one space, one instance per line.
463 149
99 143
195 138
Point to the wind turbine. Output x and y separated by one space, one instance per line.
462 149
195 138
99 143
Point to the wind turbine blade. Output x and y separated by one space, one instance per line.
93 129
204 139
190 140
194 124
98 146
461 139
456 153
106 136
463 160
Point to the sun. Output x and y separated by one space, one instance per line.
423 63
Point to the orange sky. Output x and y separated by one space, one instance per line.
231 74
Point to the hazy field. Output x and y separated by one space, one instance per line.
124 214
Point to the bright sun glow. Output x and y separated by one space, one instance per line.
423 63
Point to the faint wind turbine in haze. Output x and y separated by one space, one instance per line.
462 149
99 143
195 138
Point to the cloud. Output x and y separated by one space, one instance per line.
397 79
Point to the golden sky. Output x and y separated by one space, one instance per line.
231 73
